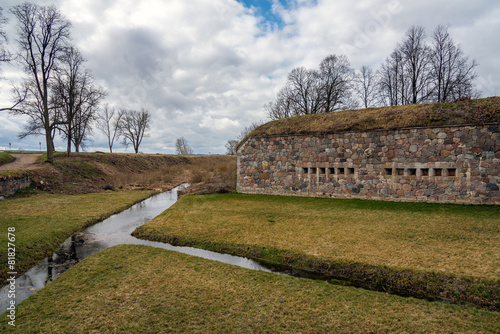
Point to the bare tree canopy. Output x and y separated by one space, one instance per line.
133 127
231 146
43 37
335 76
419 73
109 124
283 106
365 85
415 54
76 98
452 72
306 91
5 56
182 147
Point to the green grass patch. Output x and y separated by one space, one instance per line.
434 251
5 158
42 223
139 289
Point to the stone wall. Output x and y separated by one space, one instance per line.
450 165
10 184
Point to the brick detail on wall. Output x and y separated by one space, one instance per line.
449 165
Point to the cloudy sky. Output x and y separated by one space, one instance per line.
205 68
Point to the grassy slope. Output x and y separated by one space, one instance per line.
5 158
157 291
42 223
95 172
478 111
393 243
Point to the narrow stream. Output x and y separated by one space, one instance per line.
115 230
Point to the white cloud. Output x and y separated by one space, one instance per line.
218 124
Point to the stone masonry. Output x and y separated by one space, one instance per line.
458 164
10 184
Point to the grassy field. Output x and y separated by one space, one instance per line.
158 291
419 249
42 223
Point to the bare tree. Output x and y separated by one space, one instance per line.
85 116
110 125
306 91
392 82
404 77
419 73
5 56
133 126
366 86
32 103
452 72
76 97
182 147
335 77
416 58
231 146
283 106
43 37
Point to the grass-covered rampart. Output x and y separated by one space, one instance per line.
478 111
431 251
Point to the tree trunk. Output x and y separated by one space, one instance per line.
69 145
50 146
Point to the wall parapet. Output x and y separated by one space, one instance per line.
452 164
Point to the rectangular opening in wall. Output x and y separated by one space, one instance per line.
314 170
305 170
388 171
331 171
425 171
412 171
438 172
452 172
400 171
322 170
340 171
350 171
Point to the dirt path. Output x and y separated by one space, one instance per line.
22 162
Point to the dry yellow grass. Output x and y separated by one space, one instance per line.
451 239
138 289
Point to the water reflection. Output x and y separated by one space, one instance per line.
115 230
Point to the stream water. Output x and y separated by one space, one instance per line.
113 231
